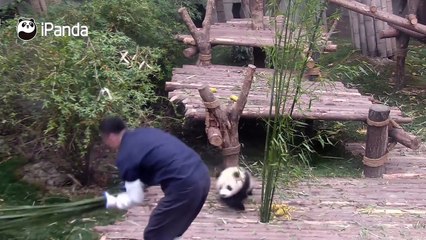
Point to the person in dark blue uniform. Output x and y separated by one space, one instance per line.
150 156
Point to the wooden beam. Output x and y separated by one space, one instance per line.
405 138
418 36
388 33
384 16
256 10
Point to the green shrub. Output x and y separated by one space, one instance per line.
51 86
151 23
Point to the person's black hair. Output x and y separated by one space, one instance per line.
112 125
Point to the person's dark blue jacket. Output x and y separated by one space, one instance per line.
155 157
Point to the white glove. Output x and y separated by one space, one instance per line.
111 201
133 196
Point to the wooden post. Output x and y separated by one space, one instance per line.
220 10
354 22
370 32
226 119
377 141
256 11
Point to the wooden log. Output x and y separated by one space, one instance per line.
405 138
391 42
310 63
355 29
384 16
416 35
220 11
412 18
190 52
388 33
256 10
401 54
313 72
377 141
370 34
379 26
330 48
263 112
362 34
373 7
214 136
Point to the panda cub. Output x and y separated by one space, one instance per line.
234 184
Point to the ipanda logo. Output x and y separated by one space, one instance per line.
27 29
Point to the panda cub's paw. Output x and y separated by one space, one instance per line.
239 207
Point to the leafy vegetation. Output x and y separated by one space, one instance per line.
14 193
54 88
375 77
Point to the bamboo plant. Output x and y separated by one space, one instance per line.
295 41
17 218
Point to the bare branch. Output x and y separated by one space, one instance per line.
242 99
188 22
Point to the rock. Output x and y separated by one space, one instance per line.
44 174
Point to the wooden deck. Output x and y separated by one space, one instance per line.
327 208
237 32
325 101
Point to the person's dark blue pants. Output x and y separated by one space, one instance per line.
181 204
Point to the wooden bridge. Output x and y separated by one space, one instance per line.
320 100
391 207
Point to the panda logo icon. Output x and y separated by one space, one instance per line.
26 29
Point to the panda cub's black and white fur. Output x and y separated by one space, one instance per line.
234 185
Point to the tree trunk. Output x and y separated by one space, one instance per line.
226 119
256 10
402 43
220 10
39 6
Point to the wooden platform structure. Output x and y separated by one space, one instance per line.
390 208
238 32
319 101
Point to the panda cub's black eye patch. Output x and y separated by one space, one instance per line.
229 188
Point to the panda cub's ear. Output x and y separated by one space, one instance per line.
31 19
217 173
236 174
21 19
